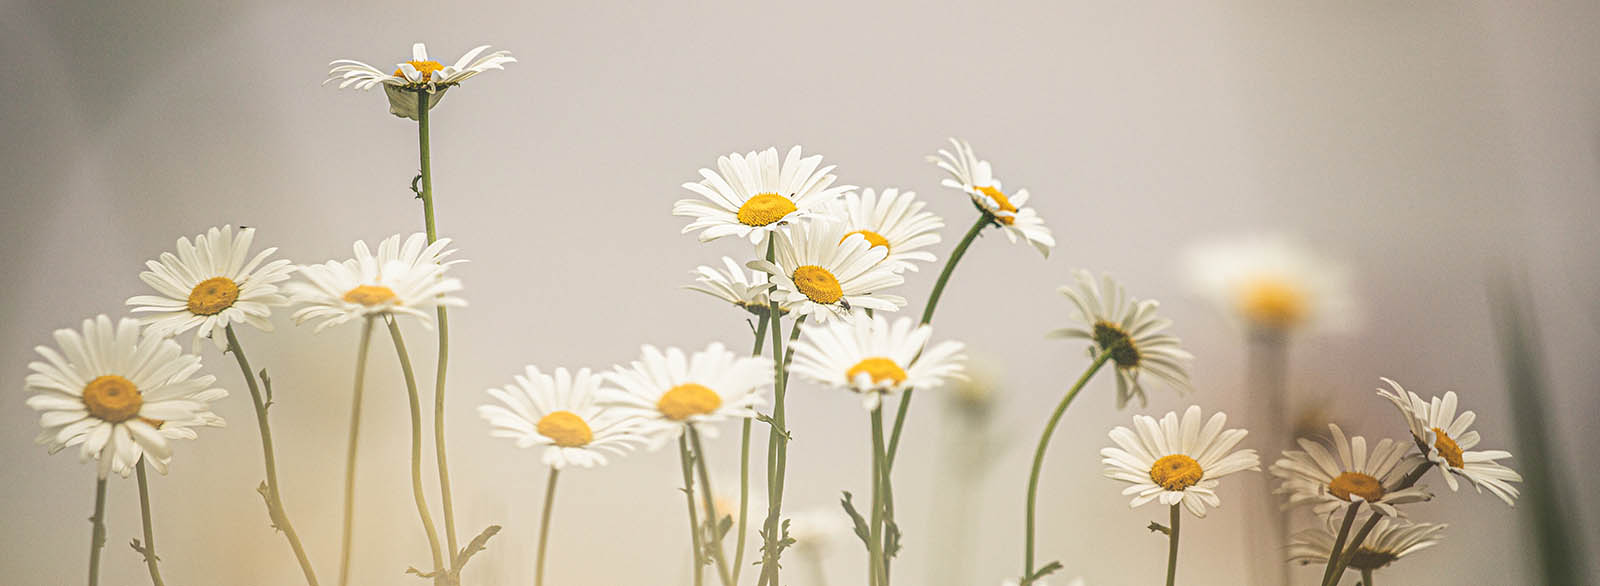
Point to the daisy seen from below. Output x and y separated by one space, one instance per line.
821 271
753 194
894 220
419 75
668 390
744 288
1390 540
561 413
974 177
1177 460
1128 328
1448 440
211 283
1272 285
401 279
874 357
1333 476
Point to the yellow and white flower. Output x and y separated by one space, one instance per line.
1130 329
1390 540
823 271
1176 461
874 357
1449 440
119 394
401 279
419 75
744 288
667 391
751 195
1271 285
894 220
210 284
562 413
1315 475
974 177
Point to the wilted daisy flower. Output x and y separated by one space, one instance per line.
740 286
420 74
1314 475
1449 441
1176 461
894 220
119 394
1272 285
751 195
401 279
668 390
560 412
210 284
973 176
874 357
1390 540
822 271
1129 328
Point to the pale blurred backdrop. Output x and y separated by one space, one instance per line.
1428 144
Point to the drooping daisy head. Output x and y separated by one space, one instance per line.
1130 329
822 271
668 390
753 194
1390 540
211 283
119 394
894 220
974 177
403 278
1448 439
420 76
1332 476
1273 286
562 413
1176 460
875 357
744 288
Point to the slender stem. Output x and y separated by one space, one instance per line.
544 526
1172 546
777 443
1410 479
350 453
444 334
440 576
1366 577
427 165
694 517
1339 541
1038 455
150 558
744 468
97 535
280 517
875 543
711 508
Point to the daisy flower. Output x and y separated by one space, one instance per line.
210 284
1176 461
744 288
420 74
561 412
1314 475
119 394
894 220
751 195
402 278
1269 284
1390 540
669 390
1449 440
973 176
874 357
1131 330
822 271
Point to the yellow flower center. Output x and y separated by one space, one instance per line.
426 68
369 295
817 284
873 238
565 429
1176 472
1358 484
687 399
1111 336
879 368
1001 202
112 398
1273 302
765 208
1448 448
212 296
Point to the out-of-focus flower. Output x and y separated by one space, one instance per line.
1176 461
1449 440
874 357
745 288
974 177
210 284
1272 285
1130 329
1329 482
1390 540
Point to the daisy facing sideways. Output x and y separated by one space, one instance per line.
1176 461
668 390
874 357
420 75
1449 439
751 195
560 412
744 288
1390 540
821 271
211 284
974 177
1130 329
894 220
401 279
1331 477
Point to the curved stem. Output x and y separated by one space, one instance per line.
875 542
744 469
711 508
440 576
350 453
544 526
1366 577
97 535
149 548
1038 456
426 167
1172 546
1410 479
1339 541
694 517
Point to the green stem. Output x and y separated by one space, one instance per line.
744 468
149 551
544 525
1172 546
443 465
1338 543
1366 577
1410 479
97 535
711 508
1038 455
427 165
350 453
440 576
777 443
875 543
694 517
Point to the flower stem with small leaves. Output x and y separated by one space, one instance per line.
148 548
97 535
440 575
1172 546
744 467
443 328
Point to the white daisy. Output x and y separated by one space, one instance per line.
735 284
1176 461
1270 284
893 220
1314 475
562 413
119 394
751 195
420 74
1449 440
874 357
403 278
668 390
1390 540
210 284
973 176
1131 329
822 271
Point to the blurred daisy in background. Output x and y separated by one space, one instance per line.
1449 440
875 357
744 288
822 271
1272 285
1177 461
894 220
1332 476
667 390
751 195
420 74
1130 329
1390 540
560 412
403 278
210 284
974 177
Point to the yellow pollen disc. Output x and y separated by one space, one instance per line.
765 208
873 238
1176 472
213 295
1448 448
426 68
1273 302
112 398
369 295
1002 202
687 399
1358 484
879 368
817 284
565 429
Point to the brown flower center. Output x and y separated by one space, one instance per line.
879 368
1176 472
1367 559
1109 336
817 284
765 208
112 398
682 401
565 429
1358 484
1002 203
213 295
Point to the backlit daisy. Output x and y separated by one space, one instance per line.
894 220
561 412
1176 461
874 357
403 278
119 394
210 284
751 195
420 74
1449 440
1390 540
1315 475
1129 328
668 390
973 176
735 284
823 271
1272 285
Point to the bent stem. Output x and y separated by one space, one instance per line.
350 452
1172 546
744 468
711 508
439 574
97 535
444 333
694 517
1038 456
149 546
544 526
